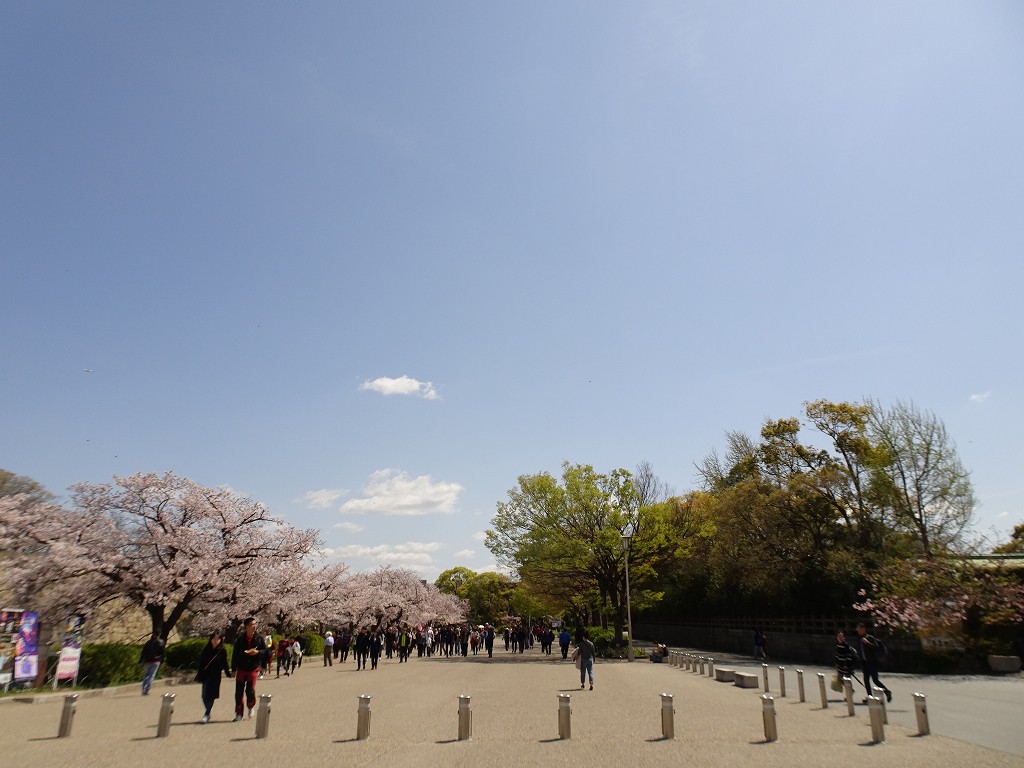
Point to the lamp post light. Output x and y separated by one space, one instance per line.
627 539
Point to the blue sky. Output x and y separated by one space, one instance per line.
369 262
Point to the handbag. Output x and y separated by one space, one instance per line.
578 662
837 683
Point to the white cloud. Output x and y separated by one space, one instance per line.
465 553
321 499
980 397
403 385
479 536
350 527
393 492
412 554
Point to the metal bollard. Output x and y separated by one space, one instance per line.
848 693
921 707
782 682
668 712
800 685
711 667
701 668
163 726
465 718
885 710
673 658
564 716
764 675
263 716
771 731
67 715
821 687
363 720
875 713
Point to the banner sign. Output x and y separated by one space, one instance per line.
71 649
10 620
26 647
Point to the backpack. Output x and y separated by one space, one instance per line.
880 650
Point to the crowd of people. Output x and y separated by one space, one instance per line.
254 654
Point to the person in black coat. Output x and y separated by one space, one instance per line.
212 662
846 659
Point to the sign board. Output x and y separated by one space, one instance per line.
71 649
26 647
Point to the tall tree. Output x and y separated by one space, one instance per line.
454 579
16 485
924 483
565 538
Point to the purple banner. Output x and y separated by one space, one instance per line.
26 647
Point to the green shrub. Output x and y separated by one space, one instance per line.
312 644
106 664
604 639
185 654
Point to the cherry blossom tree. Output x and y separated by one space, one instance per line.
390 596
162 542
948 597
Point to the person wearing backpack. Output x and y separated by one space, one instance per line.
872 650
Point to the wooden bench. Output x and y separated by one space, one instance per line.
746 680
725 675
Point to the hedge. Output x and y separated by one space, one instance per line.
105 664
185 654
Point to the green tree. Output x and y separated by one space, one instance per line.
1014 545
564 538
489 596
12 485
453 580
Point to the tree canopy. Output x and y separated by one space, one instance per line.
564 537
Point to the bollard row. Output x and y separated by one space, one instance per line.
876 710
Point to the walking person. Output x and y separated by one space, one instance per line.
362 648
871 652
268 654
760 645
329 649
295 649
346 643
845 659
152 655
246 662
376 644
563 642
284 656
585 652
212 662
489 640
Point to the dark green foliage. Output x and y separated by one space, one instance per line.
106 664
312 644
608 648
185 654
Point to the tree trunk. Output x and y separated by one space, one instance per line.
156 618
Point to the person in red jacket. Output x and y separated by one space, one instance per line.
245 660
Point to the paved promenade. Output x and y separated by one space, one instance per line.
515 721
